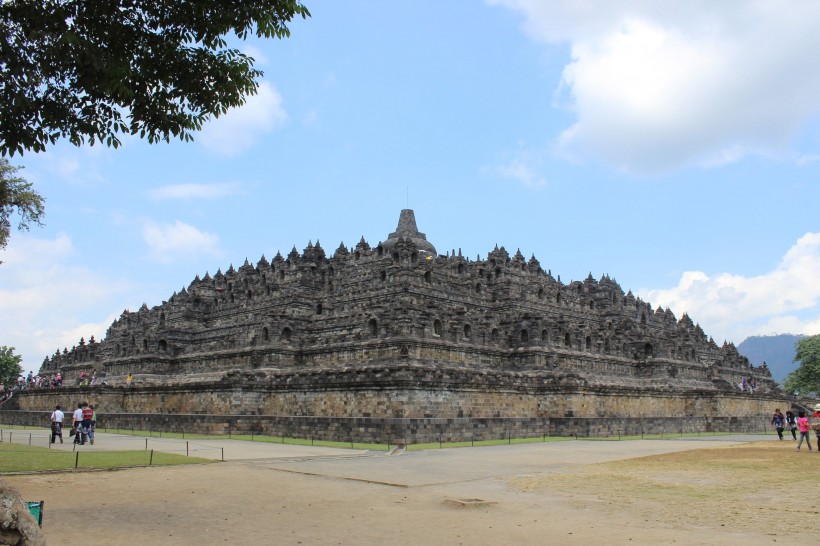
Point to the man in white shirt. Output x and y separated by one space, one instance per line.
77 424
57 418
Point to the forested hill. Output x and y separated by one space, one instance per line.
777 351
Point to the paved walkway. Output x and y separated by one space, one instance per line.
405 468
446 466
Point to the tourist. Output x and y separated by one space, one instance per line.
816 424
76 424
93 424
57 417
778 421
129 379
803 425
88 416
791 422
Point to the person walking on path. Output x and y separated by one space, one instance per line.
76 424
778 421
803 425
88 416
791 422
57 417
815 418
93 424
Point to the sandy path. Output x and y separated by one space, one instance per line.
564 493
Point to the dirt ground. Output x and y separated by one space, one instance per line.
747 493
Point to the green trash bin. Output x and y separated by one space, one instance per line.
36 510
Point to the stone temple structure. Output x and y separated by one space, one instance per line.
396 340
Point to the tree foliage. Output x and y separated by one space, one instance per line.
16 194
10 367
89 70
806 378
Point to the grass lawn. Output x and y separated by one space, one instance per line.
24 458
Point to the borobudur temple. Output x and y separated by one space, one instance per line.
399 342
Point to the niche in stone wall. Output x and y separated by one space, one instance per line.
567 340
648 351
494 335
545 337
478 288
162 345
468 332
265 334
525 336
287 333
437 327
588 343
373 327
428 277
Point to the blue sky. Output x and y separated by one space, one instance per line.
672 147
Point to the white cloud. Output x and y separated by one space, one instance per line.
656 85
44 295
523 167
169 241
259 57
518 170
733 307
239 128
193 191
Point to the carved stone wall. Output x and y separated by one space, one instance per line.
410 413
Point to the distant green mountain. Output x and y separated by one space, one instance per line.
777 351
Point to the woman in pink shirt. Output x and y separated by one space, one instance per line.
803 426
